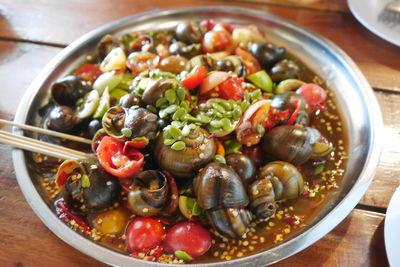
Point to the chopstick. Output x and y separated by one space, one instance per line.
45 131
34 145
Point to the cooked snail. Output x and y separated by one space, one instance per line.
69 89
87 187
199 151
149 193
294 144
139 121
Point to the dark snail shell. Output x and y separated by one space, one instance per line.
69 89
149 193
156 89
266 53
101 193
291 143
61 119
140 121
286 180
182 49
189 32
130 100
262 198
185 163
286 101
218 185
230 222
232 63
243 166
106 44
285 69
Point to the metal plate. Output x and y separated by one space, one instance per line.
354 97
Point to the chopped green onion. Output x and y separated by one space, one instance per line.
126 132
260 129
175 132
179 145
183 255
232 146
319 169
85 182
220 159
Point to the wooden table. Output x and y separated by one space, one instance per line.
32 32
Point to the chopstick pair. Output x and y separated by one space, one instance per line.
35 145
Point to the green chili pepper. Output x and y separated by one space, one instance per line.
232 146
262 80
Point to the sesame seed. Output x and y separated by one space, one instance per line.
145 210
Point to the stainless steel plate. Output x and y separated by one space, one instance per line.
355 99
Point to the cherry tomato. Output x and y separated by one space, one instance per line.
88 72
189 237
313 93
144 233
216 41
249 61
195 77
113 160
111 222
141 61
231 89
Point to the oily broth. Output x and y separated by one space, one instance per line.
291 217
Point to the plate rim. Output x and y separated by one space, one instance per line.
371 26
336 215
392 219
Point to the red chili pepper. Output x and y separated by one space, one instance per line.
293 117
63 211
173 198
275 116
115 161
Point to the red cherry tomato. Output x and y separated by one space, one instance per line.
88 72
313 93
189 237
195 77
216 41
141 61
231 89
144 233
113 160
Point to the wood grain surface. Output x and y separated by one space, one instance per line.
32 32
